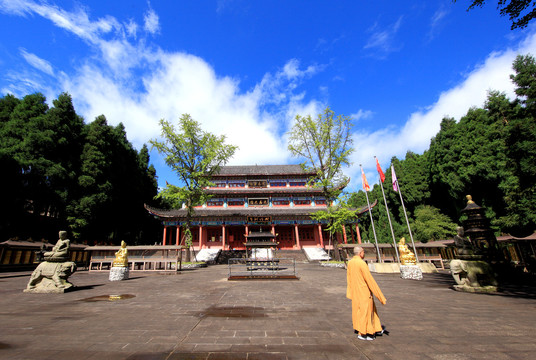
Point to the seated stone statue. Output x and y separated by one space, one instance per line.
463 244
60 251
406 255
121 256
51 275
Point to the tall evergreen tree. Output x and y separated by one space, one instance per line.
519 183
89 213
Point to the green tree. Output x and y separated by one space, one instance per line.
89 212
7 104
520 12
525 81
11 192
338 217
430 224
325 143
519 185
26 140
468 158
60 172
64 154
413 178
114 182
194 155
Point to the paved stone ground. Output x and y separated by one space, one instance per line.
198 314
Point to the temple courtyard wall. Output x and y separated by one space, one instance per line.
199 314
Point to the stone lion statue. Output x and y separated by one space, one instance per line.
51 277
472 273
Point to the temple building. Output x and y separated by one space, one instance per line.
270 198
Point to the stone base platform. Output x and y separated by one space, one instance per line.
384 268
47 286
118 273
393 268
476 289
410 272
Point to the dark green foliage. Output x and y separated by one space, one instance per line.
430 225
520 12
61 173
490 153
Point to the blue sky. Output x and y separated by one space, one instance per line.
246 68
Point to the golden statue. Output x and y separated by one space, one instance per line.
406 255
121 258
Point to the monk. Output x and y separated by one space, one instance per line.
360 288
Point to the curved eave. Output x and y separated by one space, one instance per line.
249 211
264 191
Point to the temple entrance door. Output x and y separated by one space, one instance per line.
214 237
307 237
285 237
236 237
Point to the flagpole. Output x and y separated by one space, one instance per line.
372 221
389 218
405 214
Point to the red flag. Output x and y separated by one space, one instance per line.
382 175
395 180
365 182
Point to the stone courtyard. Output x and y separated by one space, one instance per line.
199 314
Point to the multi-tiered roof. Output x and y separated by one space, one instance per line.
279 191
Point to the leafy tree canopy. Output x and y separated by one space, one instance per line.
325 143
430 224
194 155
520 12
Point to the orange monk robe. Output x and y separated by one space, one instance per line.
360 287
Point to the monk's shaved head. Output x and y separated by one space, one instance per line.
357 250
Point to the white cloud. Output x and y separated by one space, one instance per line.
152 24
421 126
37 62
78 23
436 21
173 84
182 83
131 28
382 41
361 114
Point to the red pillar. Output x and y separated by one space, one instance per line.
358 234
320 235
297 236
178 238
200 237
223 237
165 236
344 234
